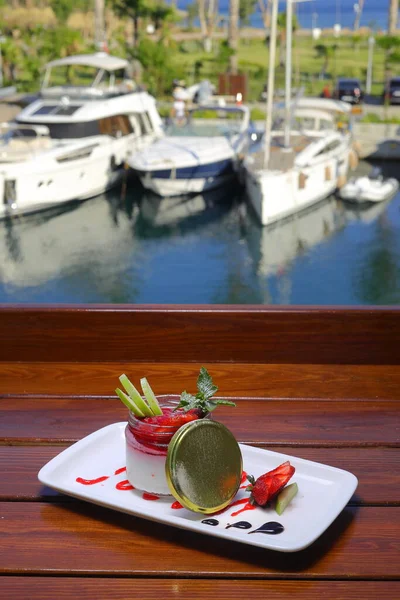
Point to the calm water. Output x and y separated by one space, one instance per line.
208 249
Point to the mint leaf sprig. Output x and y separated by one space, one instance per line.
203 399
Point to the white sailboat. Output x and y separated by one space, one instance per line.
73 141
297 167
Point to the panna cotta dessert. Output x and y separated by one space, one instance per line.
147 441
152 423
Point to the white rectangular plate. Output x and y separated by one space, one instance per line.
323 492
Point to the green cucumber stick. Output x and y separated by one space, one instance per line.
135 396
129 403
150 397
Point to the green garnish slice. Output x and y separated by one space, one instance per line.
136 397
129 403
285 497
203 399
150 397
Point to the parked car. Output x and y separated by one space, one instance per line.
392 91
349 90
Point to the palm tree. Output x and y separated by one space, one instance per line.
357 18
265 8
208 16
282 34
233 35
98 22
393 16
326 53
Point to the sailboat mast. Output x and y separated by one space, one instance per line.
288 71
270 83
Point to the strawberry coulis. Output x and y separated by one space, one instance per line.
124 485
91 481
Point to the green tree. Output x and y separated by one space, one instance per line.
390 44
281 24
161 14
246 9
326 53
134 9
158 67
62 9
192 11
233 34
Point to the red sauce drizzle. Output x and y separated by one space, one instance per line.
243 482
121 470
147 496
91 481
124 485
247 506
176 505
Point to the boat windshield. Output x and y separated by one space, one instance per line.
85 81
208 123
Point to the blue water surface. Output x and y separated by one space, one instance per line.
326 13
137 248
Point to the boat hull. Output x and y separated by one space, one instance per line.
275 195
32 191
188 180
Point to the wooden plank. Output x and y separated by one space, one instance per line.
48 588
84 539
376 469
253 334
274 422
282 381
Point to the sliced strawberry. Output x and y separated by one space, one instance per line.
268 485
163 426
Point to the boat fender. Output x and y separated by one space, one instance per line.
342 179
357 148
302 180
353 159
328 173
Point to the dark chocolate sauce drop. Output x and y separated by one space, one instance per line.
212 522
272 528
239 525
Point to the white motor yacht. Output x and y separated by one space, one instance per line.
197 155
72 143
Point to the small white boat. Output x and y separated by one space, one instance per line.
197 156
371 188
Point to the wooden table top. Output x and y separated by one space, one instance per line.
321 384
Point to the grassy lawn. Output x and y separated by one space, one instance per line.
349 60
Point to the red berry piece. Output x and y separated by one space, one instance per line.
268 485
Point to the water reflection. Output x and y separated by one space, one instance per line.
89 238
175 215
133 247
278 250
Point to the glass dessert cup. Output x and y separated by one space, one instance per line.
147 447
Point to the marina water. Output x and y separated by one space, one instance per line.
132 247
322 13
